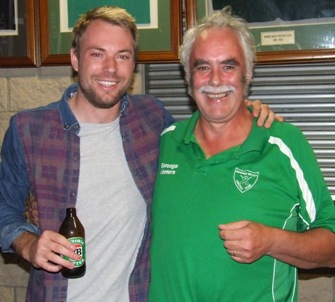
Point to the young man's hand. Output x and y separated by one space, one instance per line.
265 115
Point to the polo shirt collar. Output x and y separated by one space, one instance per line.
252 146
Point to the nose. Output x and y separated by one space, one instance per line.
110 64
215 77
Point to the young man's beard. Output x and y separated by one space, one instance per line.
94 99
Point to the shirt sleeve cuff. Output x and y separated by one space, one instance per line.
12 231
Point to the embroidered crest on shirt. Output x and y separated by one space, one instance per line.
245 179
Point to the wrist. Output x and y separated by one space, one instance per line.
22 244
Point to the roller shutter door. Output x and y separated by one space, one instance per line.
303 93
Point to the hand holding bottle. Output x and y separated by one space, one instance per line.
43 251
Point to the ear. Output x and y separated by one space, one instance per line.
74 59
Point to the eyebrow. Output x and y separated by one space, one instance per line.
229 61
199 62
96 48
104 49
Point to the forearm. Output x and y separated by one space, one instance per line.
311 249
23 243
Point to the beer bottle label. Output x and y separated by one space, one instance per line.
79 244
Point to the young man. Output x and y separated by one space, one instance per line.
262 188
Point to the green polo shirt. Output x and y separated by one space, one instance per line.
272 178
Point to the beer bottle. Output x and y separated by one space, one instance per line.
72 229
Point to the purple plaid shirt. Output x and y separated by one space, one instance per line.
41 155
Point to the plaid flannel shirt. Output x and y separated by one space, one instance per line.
41 155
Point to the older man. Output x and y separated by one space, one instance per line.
262 188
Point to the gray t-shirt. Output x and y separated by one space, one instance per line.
113 212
